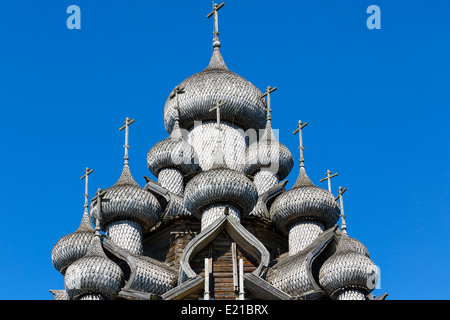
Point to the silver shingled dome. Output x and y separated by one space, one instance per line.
126 200
172 152
245 106
220 186
270 154
94 274
304 201
349 267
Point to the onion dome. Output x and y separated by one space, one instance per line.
94 274
220 185
269 154
73 246
304 201
172 152
126 200
244 108
349 267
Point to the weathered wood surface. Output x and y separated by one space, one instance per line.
167 243
186 290
137 295
262 289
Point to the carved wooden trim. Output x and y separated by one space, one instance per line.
237 232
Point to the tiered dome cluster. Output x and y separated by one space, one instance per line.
238 182
123 211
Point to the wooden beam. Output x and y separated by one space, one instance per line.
137 295
235 271
207 277
263 289
241 279
183 290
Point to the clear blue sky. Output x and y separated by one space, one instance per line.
377 103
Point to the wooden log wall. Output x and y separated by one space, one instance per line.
220 253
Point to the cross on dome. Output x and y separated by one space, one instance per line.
87 172
127 122
218 153
269 90
216 32
99 199
175 94
176 133
329 176
217 106
300 126
343 216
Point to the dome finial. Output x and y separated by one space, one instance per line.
216 32
329 176
300 126
269 90
341 200
126 146
87 172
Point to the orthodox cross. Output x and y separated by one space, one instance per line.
126 146
175 94
99 199
300 126
216 8
87 172
341 201
269 90
329 178
217 106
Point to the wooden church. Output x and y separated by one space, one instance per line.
217 222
